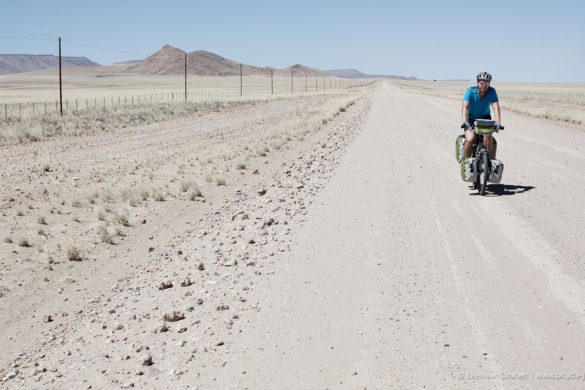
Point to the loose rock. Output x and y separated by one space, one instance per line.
174 316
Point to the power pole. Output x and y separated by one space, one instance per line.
60 81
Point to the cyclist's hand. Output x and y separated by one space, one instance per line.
498 127
466 126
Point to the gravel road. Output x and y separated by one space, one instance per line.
355 259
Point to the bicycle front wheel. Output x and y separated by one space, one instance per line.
484 172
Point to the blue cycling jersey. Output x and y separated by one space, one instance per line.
479 107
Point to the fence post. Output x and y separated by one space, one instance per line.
241 81
76 104
292 82
45 108
272 81
33 108
5 112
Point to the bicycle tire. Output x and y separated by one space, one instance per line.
483 173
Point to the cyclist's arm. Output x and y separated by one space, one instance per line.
496 111
464 110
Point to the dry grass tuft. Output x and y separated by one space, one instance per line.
41 220
195 193
105 235
219 181
73 252
122 219
23 242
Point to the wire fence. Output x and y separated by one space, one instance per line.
229 90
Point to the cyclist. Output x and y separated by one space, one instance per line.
477 103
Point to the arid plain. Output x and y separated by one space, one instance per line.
318 239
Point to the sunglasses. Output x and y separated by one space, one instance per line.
483 83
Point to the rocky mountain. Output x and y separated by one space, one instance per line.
19 63
171 60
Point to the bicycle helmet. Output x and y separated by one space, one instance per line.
484 76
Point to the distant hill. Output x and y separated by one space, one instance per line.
19 63
347 73
171 60
130 62
356 74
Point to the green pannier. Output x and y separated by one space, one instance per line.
460 142
467 168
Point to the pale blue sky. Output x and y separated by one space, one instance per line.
514 40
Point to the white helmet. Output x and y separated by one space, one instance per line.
484 76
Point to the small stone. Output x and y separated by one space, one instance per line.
186 282
174 316
10 375
150 249
147 360
118 326
200 266
47 318
165 284
182 330
230 263
162 328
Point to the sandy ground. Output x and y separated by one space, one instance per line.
355 258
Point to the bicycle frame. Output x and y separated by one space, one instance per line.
482 157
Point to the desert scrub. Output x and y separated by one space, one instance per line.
195 193
186 185
220 182
41 220
105 235
24 242
76 202
122 219
19 213
158 196
96 119
102 215
73 252
241 165
8 240
46 168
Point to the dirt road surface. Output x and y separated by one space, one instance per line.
356 260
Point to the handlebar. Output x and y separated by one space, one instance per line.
467 126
